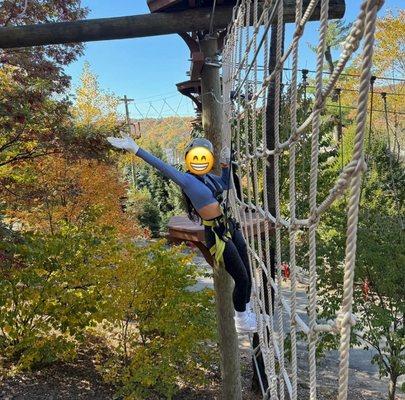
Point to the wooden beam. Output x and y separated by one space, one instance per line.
160 5
135 26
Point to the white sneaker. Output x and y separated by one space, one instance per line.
244 322
251 313
252 317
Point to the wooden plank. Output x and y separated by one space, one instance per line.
181 228
135 26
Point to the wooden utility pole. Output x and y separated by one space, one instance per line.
128 121
126 102
212 119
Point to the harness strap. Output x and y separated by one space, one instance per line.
210 222
217 250
216 189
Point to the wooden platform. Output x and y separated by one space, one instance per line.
191 89
181 229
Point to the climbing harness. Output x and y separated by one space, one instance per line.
222 226
223 230
222 235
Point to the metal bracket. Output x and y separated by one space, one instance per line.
212 62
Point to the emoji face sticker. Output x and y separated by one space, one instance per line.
199 160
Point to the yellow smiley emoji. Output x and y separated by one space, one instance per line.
199 160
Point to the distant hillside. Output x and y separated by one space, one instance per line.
170 132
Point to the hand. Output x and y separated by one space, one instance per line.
125 143
225 156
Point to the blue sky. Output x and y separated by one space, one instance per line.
147 69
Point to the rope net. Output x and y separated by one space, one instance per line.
252 78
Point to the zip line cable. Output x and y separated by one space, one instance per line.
212 17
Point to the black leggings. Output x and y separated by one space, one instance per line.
236 264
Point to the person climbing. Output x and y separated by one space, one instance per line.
203 192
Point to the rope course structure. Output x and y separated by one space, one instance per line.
151 111
250 87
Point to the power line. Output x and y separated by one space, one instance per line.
261 68
166 95
356 91
374 110
348 74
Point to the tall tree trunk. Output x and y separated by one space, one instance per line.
392 386
212 118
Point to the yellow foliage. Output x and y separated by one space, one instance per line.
171 132
93 106
389 52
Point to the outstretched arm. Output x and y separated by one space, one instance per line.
167 170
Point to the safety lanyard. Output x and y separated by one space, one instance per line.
216 189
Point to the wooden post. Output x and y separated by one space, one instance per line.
212 118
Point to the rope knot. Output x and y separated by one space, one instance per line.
361 166
343 319
299 31
293 226
319 102
350 45
314 218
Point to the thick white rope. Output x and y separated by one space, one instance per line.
279 278
313 189
345 317
293 264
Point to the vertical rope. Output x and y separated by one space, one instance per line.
277 88
292 238
263 336
316 123
345 317
270 324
